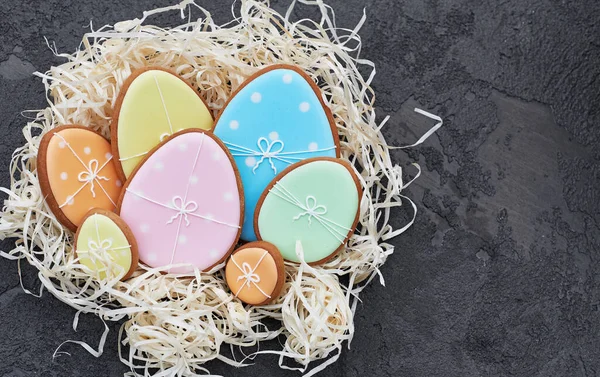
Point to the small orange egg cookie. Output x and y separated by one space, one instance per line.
255 273
77 173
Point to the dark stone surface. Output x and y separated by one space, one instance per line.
498 275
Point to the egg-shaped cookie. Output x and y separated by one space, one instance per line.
76 172
315 202
105 245
184 203
276 118
153 104
255 273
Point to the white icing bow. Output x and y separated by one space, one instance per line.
103 246
311 209
267 152
249 275
270 150
91 174
183 209
98 252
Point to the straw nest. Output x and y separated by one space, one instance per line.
173 326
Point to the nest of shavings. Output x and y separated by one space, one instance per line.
174 325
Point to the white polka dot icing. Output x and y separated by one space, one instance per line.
250 161
304 107
282 116
256 97
174 212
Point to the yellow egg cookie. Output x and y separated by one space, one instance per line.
105 245
153 104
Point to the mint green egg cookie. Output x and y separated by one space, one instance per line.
315 202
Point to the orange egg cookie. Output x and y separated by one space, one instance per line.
77 173
255 273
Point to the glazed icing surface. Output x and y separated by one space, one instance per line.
251 275
316 204
274 121
156 105
183 204
99 237
81 173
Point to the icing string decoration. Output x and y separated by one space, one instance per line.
270 150
163 136
184 209
162 100
179 211
97 252
101 246
139 154
89 176
312 210
249 276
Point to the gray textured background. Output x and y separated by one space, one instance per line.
498 276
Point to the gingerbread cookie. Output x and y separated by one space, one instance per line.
152 105
276 118
184 203
315 202
255 273
104 236
77 173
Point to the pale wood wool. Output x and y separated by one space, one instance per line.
190 318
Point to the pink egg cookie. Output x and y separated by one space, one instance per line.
184 203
